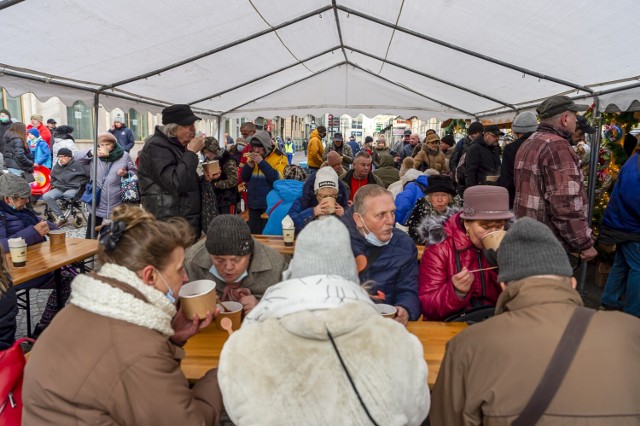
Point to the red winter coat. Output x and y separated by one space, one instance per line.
438 265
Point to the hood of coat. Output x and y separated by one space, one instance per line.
264 139
386 161
288 189
536 291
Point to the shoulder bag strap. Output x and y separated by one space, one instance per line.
121 286
558 366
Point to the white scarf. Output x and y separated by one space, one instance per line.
307 294
102 299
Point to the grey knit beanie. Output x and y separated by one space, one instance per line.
229 235
14 186
323 247
529 249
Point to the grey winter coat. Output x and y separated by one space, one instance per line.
110 192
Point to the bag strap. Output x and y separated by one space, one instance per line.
558 366
121 286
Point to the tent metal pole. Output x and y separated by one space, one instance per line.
463 50
8 3
429 76
94 206
593 167
335 13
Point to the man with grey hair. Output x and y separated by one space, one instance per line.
169 184
549 181
386 256
505 367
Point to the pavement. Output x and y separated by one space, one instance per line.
591 295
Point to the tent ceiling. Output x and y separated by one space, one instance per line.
442 58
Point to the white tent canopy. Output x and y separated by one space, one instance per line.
438 58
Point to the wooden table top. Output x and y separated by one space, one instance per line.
44 257
276 242
203 349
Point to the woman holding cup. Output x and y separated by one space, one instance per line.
114 163
20 222
323 195
114 350
455 275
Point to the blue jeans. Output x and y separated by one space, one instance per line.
624 278
290 158
55 194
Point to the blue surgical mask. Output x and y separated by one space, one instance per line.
169 294
371 238
215 273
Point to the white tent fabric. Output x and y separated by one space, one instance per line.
249 58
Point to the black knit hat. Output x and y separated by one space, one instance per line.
530 249
229 235
66 152
440 183
449 140
476 127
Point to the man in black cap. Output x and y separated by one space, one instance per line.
168 180
482 163
549 184
51 124
344 150
475 129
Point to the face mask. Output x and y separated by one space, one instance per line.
371 238
4 119
215 273
169 294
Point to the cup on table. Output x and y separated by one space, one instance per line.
198 297
212 167
18 250
57 236
288 234
233 311
387 311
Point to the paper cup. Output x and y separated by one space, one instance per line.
387 311
57 237
18 255
198 297
331 209
212 167
492 178
493 239
233 311
288 234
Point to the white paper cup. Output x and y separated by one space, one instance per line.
18 251
387 311
288 234
198 297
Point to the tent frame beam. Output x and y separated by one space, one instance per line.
463 50
335 13
431 77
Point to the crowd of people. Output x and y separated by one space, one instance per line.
362 214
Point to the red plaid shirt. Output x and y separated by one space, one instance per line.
549 188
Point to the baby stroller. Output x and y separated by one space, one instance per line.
73 211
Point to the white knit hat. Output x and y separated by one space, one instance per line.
323 247
326 177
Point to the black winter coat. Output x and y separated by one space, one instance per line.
508 164
169 184
8 312
481 161
15 156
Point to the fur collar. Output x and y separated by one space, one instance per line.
431 228
100 298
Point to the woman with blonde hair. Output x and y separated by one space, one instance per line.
112 356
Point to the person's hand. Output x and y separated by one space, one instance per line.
589 254
339 210
102 152
196 144
208 177
322 208
183 328
248 303
402 316
36 165
216 176
462 281
42 228
255 158
122 172
396 159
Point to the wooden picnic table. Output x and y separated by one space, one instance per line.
276 242
203 349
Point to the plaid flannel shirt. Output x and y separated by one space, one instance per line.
549 188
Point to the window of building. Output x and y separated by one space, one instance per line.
80 117
137 122
13 105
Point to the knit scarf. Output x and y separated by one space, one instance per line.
100 298
114 155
